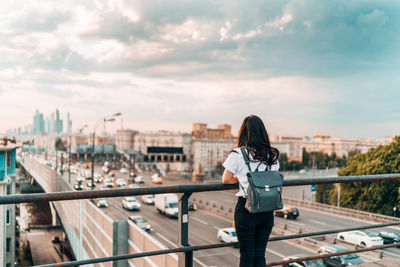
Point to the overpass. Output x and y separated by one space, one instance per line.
82 219
91 232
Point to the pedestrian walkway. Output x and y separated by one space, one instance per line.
43 251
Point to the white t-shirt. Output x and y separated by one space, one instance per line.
236 164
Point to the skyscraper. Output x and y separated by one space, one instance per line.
69 125
38 123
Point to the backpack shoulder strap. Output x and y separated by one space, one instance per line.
246 157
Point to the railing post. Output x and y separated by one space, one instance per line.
184 260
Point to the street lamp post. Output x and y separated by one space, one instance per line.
104 120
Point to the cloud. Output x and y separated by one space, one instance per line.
297 63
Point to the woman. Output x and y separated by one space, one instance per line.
252 230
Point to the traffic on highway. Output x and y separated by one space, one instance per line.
157 215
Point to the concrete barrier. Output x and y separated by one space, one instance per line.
362 215
91 232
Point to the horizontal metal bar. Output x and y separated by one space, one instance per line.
343 179
137 255
71 195
322 256
212 246
195 248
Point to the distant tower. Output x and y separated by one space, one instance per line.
38 123
69 125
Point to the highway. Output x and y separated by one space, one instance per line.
203 227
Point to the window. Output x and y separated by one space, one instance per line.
9 159
8 217
8 244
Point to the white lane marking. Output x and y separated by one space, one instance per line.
166 240
215 227
198 220
317 222
199 262
276 253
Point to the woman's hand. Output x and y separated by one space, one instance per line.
229 178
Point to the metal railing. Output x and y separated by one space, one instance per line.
185 191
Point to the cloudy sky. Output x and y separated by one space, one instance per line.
305 66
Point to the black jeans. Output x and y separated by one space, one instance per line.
253 231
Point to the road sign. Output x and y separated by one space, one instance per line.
313 188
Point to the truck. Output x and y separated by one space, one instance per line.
167 204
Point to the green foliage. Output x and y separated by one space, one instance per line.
29 142
310 160
25 255
323 193
377 197
60 145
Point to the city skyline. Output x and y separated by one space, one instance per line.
330 72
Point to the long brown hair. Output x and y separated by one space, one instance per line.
254 137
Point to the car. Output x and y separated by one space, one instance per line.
390 237
308 263
80 178
108 182
105 169
78 186
87 174
55 239
148 199
363 238
91 185
191 205
98 178
104 187
130 203
141 222
123 170
227 235
139 180
287 213
339 261
120 182
156 179
100 202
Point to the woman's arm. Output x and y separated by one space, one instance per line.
229 178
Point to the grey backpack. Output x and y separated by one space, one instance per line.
265 188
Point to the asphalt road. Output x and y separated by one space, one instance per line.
203 226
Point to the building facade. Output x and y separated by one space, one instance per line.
170 151
292 146
210 147
125 139
7 212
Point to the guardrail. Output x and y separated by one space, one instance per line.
185 191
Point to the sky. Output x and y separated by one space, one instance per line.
305 67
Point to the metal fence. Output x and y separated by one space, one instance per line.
184 191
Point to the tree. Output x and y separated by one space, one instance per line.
323 193
60 145
377 197
283 161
